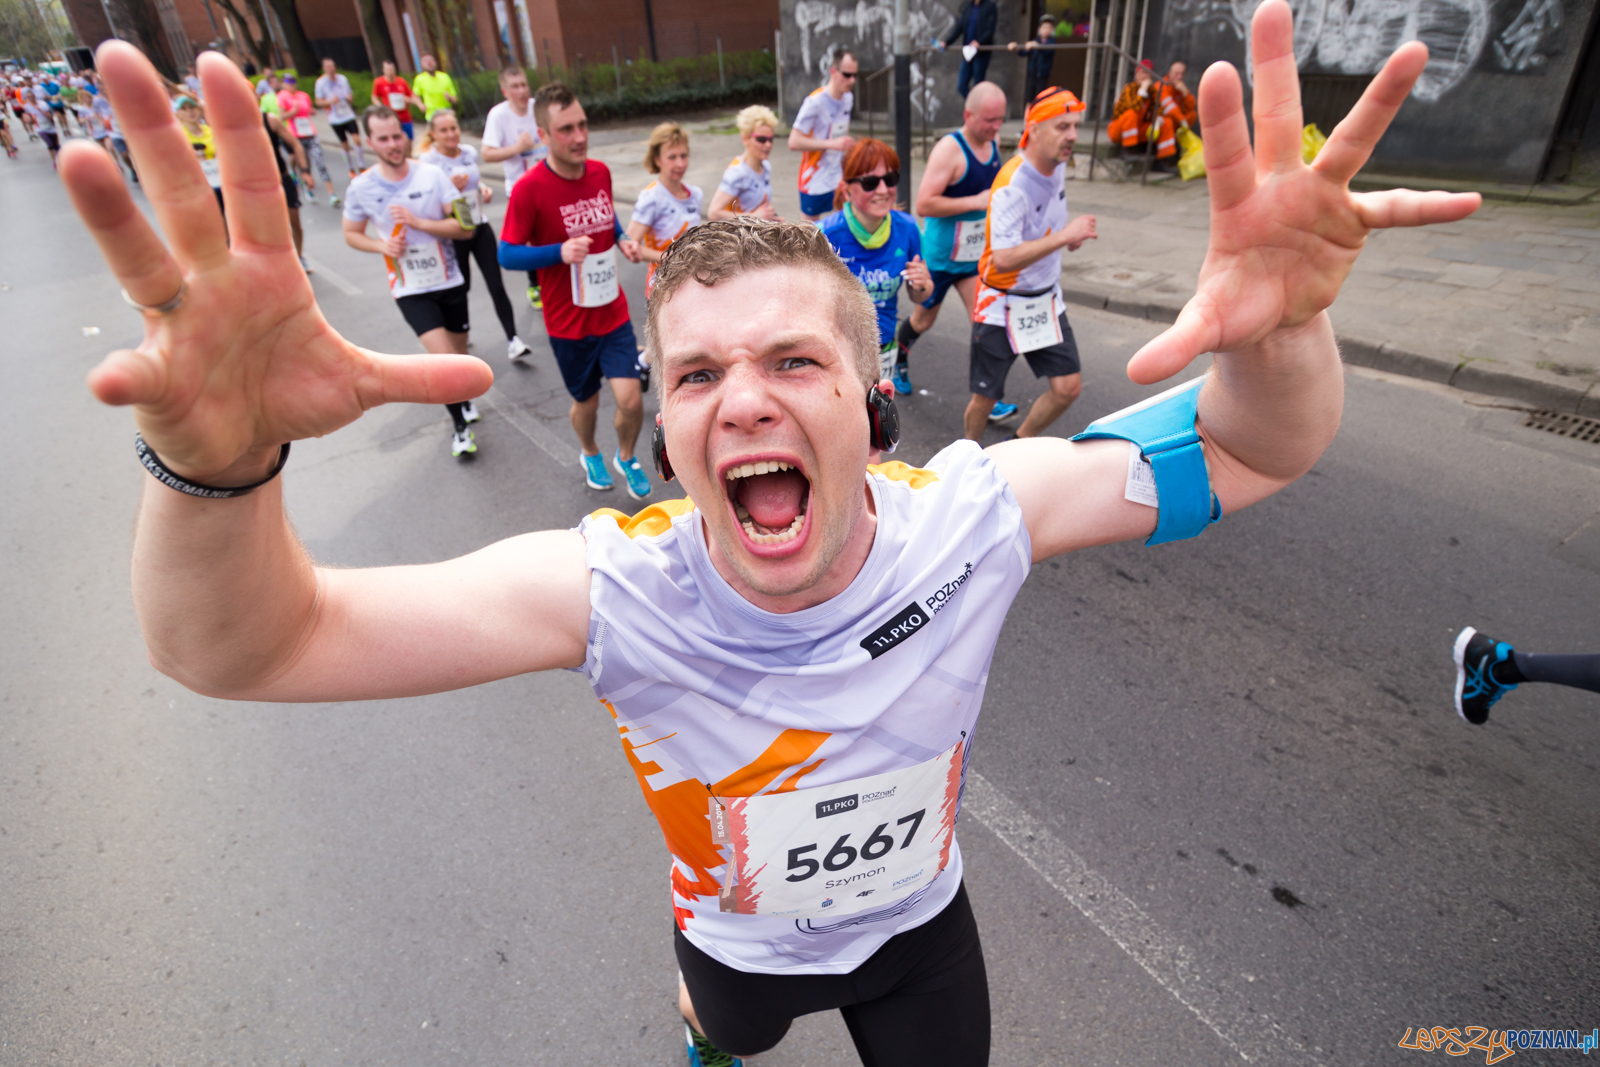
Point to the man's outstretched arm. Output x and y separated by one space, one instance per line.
229 601
1283 239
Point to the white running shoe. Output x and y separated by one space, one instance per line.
517 350
469 411
462 443
334 201
306 266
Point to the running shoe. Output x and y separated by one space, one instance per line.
535 299
334 201
632 472
306 266
703 1053
902 378
1477 688
462 443
1002 411
644 372
594 471
517 350
310 195
469 411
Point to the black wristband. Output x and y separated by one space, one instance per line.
160 473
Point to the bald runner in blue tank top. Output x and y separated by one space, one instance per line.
939 233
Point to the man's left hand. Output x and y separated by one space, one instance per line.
630 249
1284 235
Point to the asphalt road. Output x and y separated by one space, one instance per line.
1224 808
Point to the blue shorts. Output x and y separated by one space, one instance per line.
816 204
585 361
406 126
942 281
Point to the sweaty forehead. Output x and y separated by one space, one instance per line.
754 310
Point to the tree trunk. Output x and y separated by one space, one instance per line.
379 47
305 60
260 47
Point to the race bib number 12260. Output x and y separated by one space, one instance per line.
845 848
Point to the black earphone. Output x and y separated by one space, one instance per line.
883 429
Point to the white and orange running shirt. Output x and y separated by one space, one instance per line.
1024 205
715 697
823 117
665 217
749 188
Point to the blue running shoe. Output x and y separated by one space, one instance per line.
703 1053
1002 411
902 378
633 475
1477 688
594 471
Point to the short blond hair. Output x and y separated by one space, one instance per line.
716 251
668 133
753 116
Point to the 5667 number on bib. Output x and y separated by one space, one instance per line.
844 848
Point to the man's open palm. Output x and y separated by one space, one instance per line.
1284 235
247 362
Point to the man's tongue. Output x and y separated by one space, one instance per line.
773 500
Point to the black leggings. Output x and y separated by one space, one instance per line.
483 246
922 998
1578 671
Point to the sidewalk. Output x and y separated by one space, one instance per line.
1505 302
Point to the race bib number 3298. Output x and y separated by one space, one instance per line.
844 848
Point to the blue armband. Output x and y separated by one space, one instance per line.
528 257
1163 428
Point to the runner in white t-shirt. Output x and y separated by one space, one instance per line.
511 139
746 186
818 630
419 212
822 131
333 92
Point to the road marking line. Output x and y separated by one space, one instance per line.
529 427
1253 1035
338 281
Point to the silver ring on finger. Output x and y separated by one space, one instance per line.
166 307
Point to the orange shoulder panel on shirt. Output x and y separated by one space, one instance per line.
986 272
896 471
652 521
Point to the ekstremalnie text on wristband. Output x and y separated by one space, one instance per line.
160 473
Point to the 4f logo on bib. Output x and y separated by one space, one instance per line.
824 851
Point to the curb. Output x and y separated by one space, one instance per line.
1470 375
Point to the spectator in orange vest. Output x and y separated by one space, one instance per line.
1188 109
1145 111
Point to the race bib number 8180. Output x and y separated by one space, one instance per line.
844 848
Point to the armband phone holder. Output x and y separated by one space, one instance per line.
1163 428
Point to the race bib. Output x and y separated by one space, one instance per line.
1032 323
594 279
840 849
303 127
968 245
422 267
212 169
397 102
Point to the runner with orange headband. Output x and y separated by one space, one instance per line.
1019 310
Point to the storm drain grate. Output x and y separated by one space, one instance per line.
1563 425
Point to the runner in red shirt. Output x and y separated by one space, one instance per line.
393 92
560 221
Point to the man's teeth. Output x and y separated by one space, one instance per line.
771 538
764 466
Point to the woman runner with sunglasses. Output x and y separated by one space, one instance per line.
880 245
746 187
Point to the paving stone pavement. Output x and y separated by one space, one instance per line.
1505 302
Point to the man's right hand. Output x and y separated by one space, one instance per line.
247 362
576 250
524 143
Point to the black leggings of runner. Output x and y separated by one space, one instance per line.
1579 671
483 247
922 998
456 416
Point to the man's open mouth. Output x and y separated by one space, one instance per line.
769 498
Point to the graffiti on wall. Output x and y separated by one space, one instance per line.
826 26
1356 36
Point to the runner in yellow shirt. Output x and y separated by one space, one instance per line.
433 87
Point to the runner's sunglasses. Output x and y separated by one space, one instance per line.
870 182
